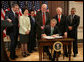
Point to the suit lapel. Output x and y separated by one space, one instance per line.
41 17
61 18
72 19
12 13
46 17
50 29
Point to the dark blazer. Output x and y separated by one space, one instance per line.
47 30
14 28
74 24
39 22
62 24
33 24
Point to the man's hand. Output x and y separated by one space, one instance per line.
42 27
27 32
54 35
65 34
9 20
43 35
70 27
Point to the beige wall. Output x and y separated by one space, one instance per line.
79 11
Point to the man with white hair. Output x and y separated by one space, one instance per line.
61 23
42 19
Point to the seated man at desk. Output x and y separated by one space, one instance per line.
50 30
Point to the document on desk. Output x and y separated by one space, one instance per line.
51 37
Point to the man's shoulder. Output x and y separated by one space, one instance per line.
56 27
39 12
77 16
47 26
68 16
63 15
55 17
9 12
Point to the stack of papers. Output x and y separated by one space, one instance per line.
50 37
58 37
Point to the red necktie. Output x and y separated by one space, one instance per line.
43 18
59 19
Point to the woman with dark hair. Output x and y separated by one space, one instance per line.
24 31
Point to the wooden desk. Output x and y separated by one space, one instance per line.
49 42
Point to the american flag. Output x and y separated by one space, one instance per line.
30 4
5 7
46 2
21 4
36 6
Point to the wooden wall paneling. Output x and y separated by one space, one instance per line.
50 6
54 6
66 7
61 4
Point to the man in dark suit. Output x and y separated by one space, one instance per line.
72 25
12 17
50 30
42 19
32 35
61 23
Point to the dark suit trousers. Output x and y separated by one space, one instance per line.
32 42
14 39
46 49
75 47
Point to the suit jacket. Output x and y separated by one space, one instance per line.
62 24
74 24
39 22
24 22
33 24
47 30
14 28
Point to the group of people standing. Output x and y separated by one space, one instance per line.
34 27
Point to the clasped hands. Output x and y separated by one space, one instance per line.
27 32
70 27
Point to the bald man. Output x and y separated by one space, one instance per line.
42 19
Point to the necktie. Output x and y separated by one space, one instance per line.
71 18
43 19
59 18
52 29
